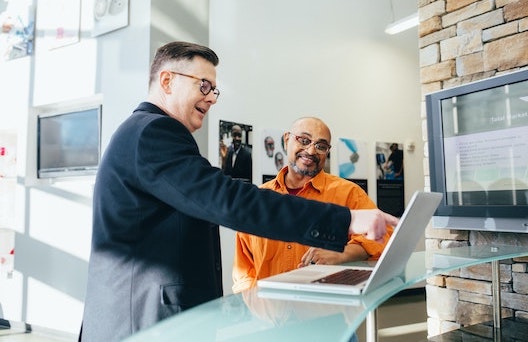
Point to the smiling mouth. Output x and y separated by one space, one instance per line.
307 157
201 110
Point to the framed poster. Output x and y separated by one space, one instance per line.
235 152
109 15
390 180
17 19
352 159
389 161
60 20
273 153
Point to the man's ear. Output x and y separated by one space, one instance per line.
286 137
165 79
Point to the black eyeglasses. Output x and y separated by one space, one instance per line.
320 146
205 86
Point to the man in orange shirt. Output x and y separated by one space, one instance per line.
307 145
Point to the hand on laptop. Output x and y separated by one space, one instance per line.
371 222
320 256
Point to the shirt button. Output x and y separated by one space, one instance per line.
289 246
314 233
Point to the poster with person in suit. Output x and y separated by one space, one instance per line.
236 150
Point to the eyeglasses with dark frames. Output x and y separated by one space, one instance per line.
205 86
321 147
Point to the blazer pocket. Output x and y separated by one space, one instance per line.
183 296
170 294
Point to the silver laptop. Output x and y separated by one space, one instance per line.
330 298
355 280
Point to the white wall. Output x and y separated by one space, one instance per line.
280 60
186 20
53 219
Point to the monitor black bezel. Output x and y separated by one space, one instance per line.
65 171
436 149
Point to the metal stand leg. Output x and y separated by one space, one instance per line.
496 294
372 326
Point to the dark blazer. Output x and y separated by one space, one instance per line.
243 167
157 207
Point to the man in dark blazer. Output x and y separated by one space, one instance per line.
158 203
238 162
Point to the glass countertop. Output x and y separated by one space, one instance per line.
279 315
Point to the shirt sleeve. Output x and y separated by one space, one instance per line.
373 248
244 272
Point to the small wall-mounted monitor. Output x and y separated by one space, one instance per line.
69 142
478 153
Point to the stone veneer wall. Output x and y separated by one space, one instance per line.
463 41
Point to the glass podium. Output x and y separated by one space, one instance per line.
279 315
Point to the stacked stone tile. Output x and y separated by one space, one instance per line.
462 41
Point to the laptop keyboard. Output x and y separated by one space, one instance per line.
345 277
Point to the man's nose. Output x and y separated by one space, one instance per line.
211 97
311 148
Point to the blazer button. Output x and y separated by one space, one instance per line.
314 233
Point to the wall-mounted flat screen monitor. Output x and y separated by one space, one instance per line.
68 142
478 153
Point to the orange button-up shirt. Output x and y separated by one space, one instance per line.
257 257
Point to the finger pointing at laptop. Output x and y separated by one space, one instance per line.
371 222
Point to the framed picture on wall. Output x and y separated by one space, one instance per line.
352 158
390 178
60 20
389 161
108 16
17 19
273 152
235 152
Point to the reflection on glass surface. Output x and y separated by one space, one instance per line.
272 315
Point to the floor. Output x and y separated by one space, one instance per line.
402 318
23 332
511 331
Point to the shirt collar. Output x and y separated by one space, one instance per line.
316 182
